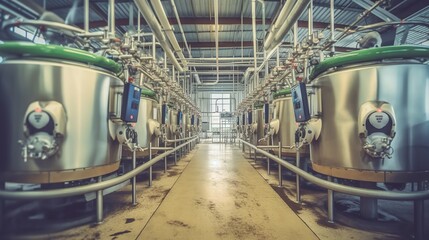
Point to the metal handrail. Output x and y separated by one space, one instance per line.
177 140
67 192
362 192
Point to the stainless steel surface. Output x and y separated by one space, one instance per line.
84 94
362 192
283 117
75 191
100 203
330 203
257 126
148 117
404 85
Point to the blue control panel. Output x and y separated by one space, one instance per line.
300 103
179 118
266 113
130 103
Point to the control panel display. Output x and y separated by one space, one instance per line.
164 115
300 103
130 103
266 113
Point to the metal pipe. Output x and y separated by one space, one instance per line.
284 13
150 168
280 166
86 16
138 26
112 17
255 49
388 195
332 6
298 183
216 15
330 203
285 27
100 202
133 180
74 191
153 23
310 18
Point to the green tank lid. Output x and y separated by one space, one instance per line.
57 52
371 54
258 105
282 93
148 93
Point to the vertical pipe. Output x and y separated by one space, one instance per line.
280 166
332 25
216 9
112 17
165 159
133 180
268 166
330 203
154 47
150 168
131 15
86 15
368 206
310 18
278 57
295 35
419 215
255 53
2 207
298 186
175 153
138 26
100 203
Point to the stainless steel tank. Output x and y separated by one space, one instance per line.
359 102
173 127
147 126
283 125
74 98
257 125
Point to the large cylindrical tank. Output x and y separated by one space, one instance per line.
173 126
283 124
147 126
258 124
51 87
388 84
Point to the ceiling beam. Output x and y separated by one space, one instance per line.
204 21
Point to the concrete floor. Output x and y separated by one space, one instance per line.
221 196
214 192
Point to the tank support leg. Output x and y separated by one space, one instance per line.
2 207
368 206
268 166
99 203
419 216
298 186
165 160
175 153
150 168
280 166
133 180
330 203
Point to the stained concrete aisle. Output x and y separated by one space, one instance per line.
221 196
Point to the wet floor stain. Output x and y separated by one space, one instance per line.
120 233
178 224
129 220
296 207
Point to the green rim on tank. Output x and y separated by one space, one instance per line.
282 93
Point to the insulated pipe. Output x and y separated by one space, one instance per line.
86 16
255 53
292 18
150 18
112 17
216 15
310 18
138 26
284 13
168 30
332 5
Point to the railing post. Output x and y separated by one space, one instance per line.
268 166
2 207
150 168
330 203
419 215
298 184
133 180
99 203
175 151
280 166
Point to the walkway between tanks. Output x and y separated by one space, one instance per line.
221 196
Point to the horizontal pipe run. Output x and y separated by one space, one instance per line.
361 192
73 191
178 140
162 148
